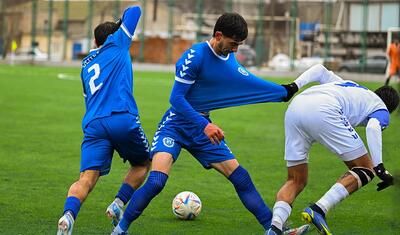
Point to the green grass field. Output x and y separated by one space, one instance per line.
40 137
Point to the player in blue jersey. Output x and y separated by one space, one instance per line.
207 77
111 121
327 114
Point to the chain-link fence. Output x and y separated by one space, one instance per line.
62 30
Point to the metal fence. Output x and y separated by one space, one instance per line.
63 29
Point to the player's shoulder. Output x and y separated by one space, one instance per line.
196 49
90 57
193 54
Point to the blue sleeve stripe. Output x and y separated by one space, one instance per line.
126 31
183 80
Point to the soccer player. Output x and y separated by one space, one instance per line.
327 114
393 54
207 77
111 121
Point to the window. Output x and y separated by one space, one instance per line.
380 16
390 16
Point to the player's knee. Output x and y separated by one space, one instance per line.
240 179
363 175
157 181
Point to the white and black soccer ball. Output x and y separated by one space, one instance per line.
186 205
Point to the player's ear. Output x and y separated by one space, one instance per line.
218 35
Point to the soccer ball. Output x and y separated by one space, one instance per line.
186 205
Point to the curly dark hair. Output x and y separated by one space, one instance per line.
389 96
102 31
232 25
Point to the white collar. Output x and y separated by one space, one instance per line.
95 49
220 57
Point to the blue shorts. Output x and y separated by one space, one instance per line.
121 132
175 133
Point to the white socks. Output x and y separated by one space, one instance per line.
281 213
335 194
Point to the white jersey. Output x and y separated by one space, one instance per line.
328 112
354 101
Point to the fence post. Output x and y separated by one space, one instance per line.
199 9
327 22
364 36
89 24
65 28
260 33
50 29
292 39
170 30
141 37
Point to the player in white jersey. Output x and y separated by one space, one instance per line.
327 114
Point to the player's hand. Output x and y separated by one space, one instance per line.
384 175
291 89
214 133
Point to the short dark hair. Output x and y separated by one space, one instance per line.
389 96
102 31
232 25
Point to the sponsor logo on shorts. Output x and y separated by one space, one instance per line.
168 142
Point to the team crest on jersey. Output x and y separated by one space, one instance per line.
168 142
243 71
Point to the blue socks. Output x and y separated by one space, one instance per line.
125 193
72 204
142 197
249 196
156 181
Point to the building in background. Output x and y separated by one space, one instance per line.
329 29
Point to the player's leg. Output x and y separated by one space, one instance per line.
398 85
360 173
245 189
96 157
295 183
77 194
129 140
164 152
133 180
392 71
297 146
342 139
387 80
160 168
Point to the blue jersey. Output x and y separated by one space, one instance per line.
107 76
205 81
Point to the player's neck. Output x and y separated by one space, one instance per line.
213 44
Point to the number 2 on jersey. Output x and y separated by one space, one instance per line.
92 85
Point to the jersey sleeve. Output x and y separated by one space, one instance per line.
377 121
317 73
130 19
182 106
374 139
382 115
188 67
83 85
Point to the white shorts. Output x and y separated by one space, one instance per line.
311 118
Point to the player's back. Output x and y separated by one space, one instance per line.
354 101
107 79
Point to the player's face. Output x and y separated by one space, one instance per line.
226 45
